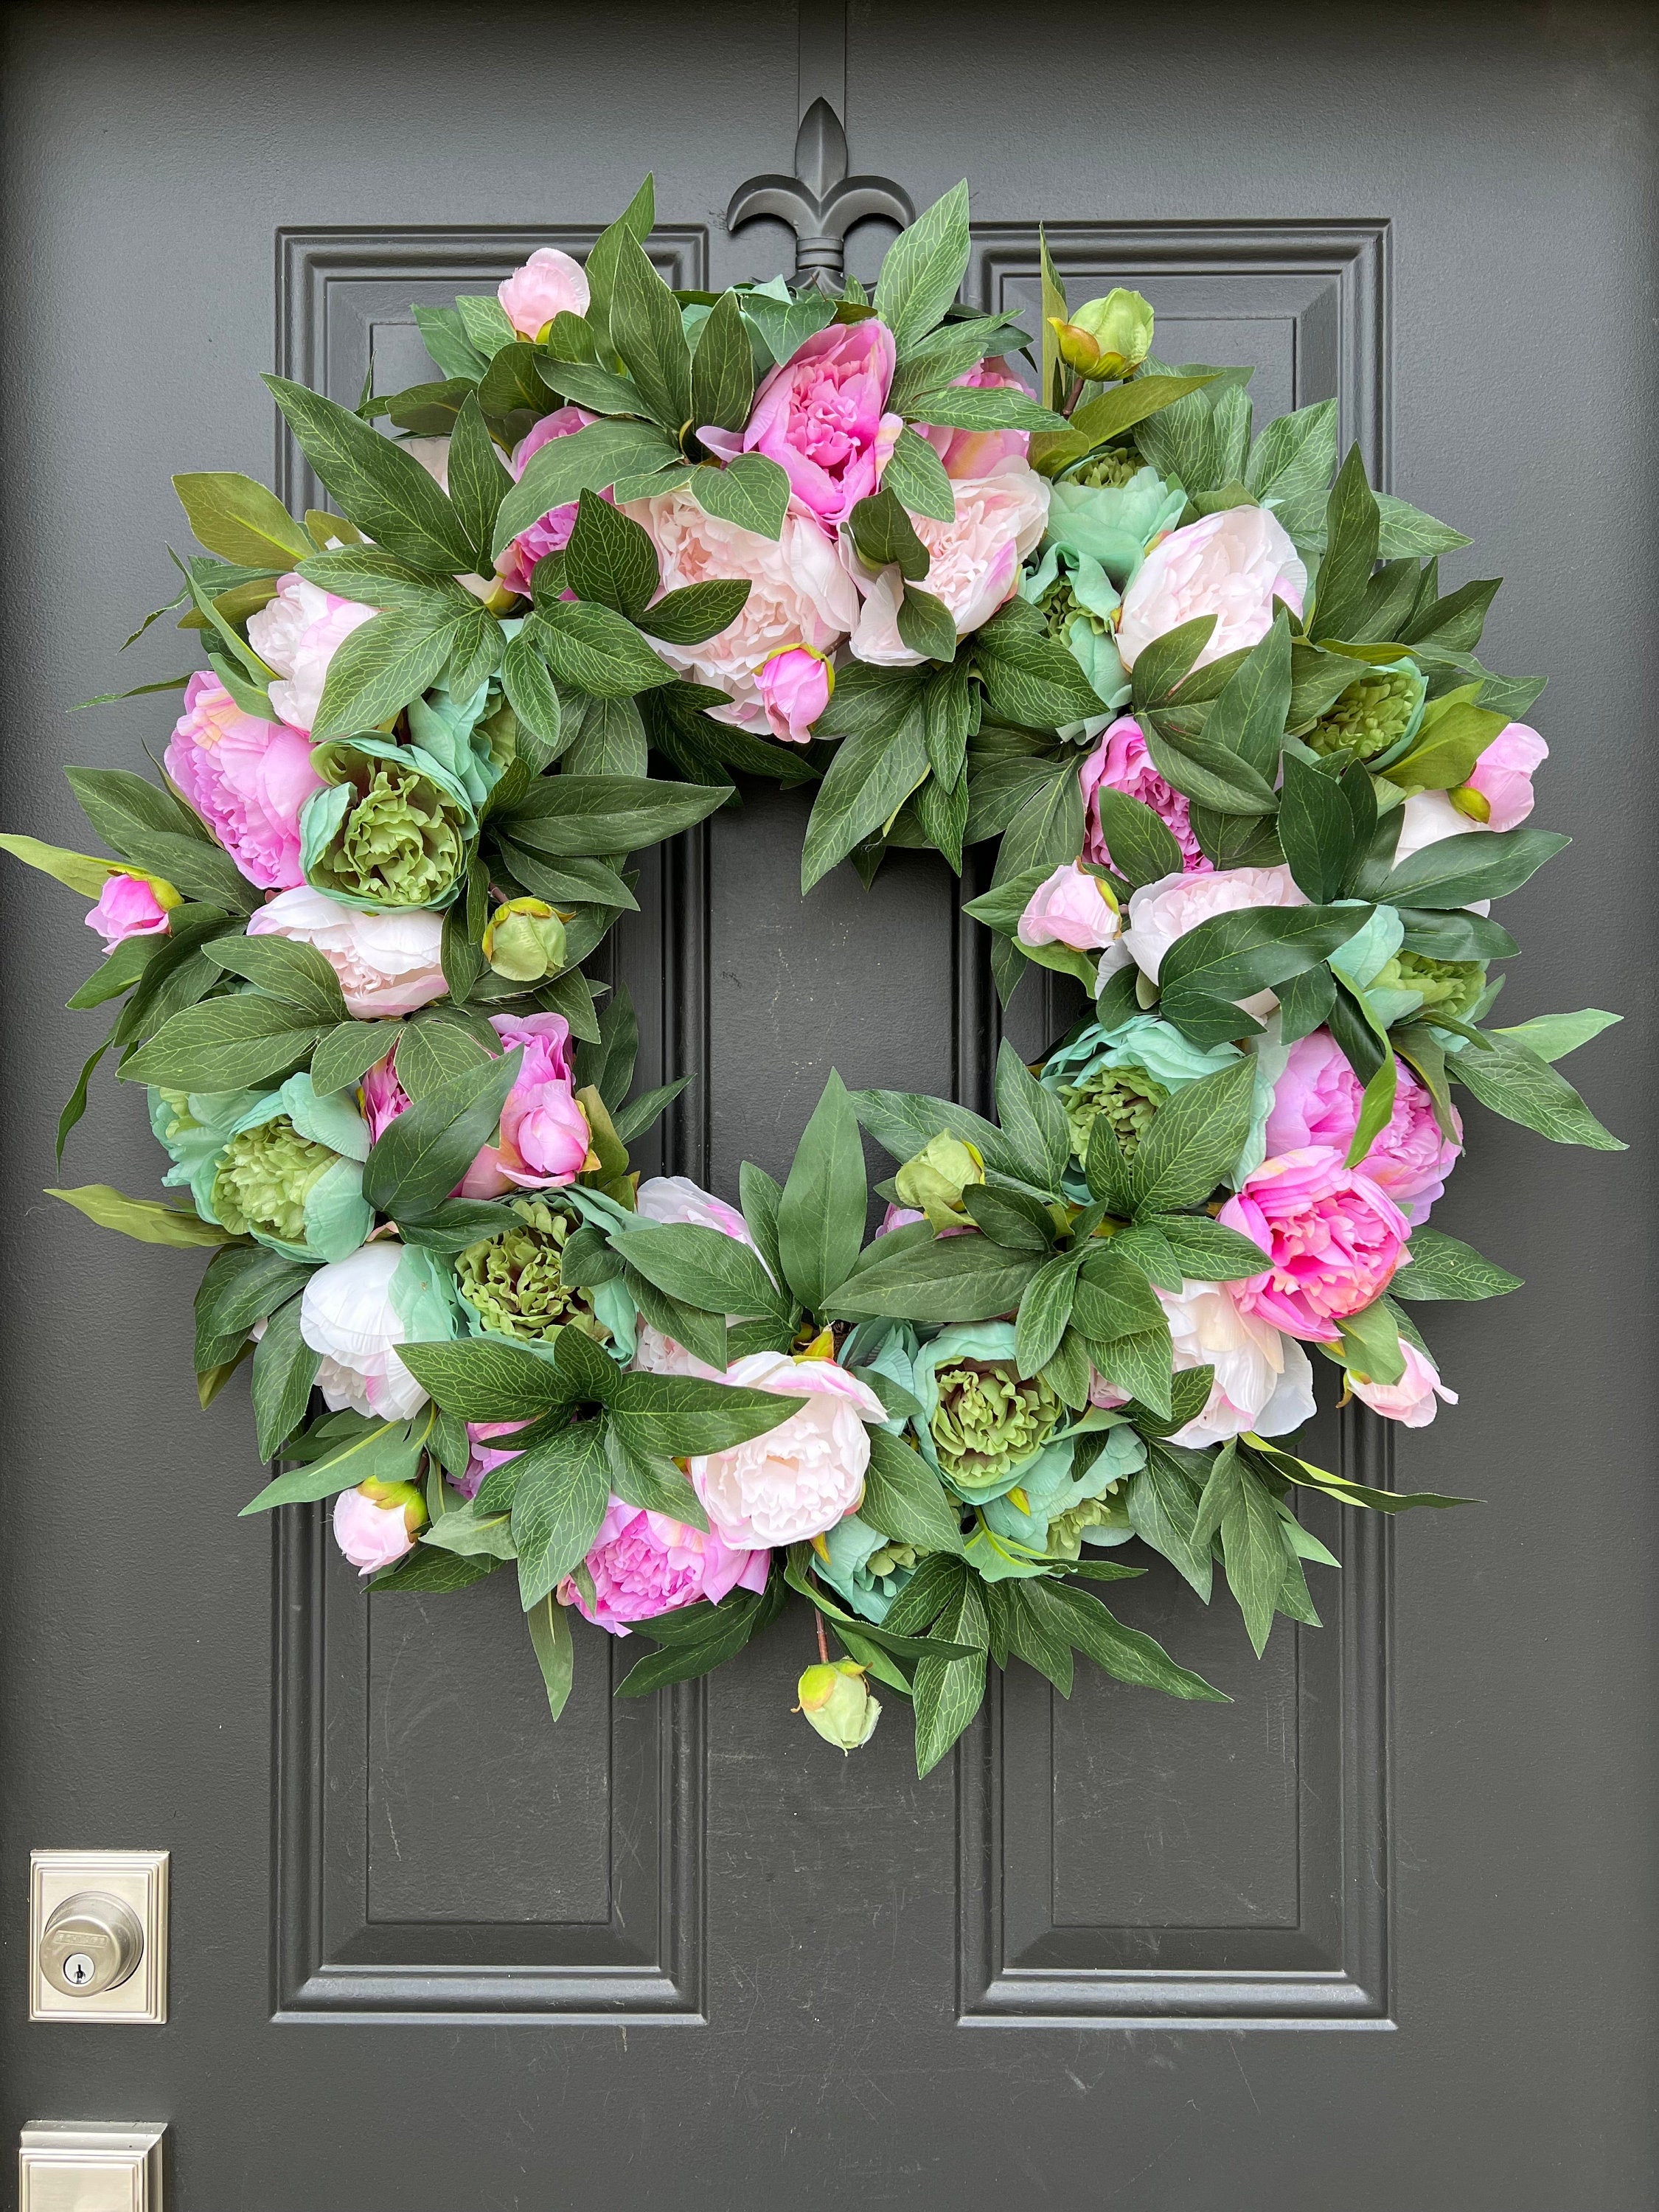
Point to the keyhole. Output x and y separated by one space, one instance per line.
78 1969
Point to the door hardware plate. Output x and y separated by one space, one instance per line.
136 1879
90 2166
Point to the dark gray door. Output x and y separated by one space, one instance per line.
1381 1932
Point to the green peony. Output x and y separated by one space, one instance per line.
868 1569
389 830
510 1282
1110 471
1127 1097
1374 715
1066 1531
989 1421
265 1178
1441 986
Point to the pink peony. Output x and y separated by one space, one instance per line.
1316 1102
794 685
388 963
976 452
819 415
1162 912
1263 1380
1232 565
1333 1239
246 778
127 907
1503 776
483 1458
384 1096
373 1534
550 283
1069 907
1411 1399
516 562
802 1477
543 1140
644 1564
799 594
298 635
1122 761
973 561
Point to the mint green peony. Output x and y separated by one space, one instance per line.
869 1570
982 1421
1112 524
265 1178
1051 1508
1373 716
1441 986
511 1283
472 739
284 1166
389 829
1125 1074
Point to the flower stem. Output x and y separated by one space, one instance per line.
823 1641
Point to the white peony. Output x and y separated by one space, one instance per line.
388 963
802 1477
347 1314
974 561
1263 1379
1231 565
1161 913
298 634
676 1198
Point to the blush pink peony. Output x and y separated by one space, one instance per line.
373 1533
298 635
126 907
1069 907
1316 1102
973 453
515 564
802 1477
1502 776
246 778
973 561
1413 1401
387 964
550 283
1232 565
676 1198
1263 1379
1121 763
799 594
820 415
1332 1237
1162 913
644 1564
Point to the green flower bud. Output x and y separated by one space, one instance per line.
989 1421
265 1178
891 1558
524 940
391 830
1447 987
1108 337
838 1702
1472 804
1370 715
1117 466
1127 1097
934 1180
511 1282
1065 1537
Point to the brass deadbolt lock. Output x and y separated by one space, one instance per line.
91 1942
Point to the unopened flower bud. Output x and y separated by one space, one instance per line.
837 1703
524 940
376 1523
1106 339
1472 803
933 1181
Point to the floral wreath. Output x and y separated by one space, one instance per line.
1253 790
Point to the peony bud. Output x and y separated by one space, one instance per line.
934 1180
794 684
131 906
1106 339
838 1704
376 1523
524 940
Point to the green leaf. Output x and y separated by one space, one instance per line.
1208 1252
419 1157
284 1370
964 407
761 1198
652 1485
388 1451
483 1379
589 459
1552 1036
1447 746
1028 679
390 496
680 1416
347 1053
751 491
233 516
1232 956
1316 830
1370 1343
143 1219
701 1266
431 1573
557 1506
1195 1139
821 1213
723 368
1516 1082
1146 1243
1309 1477
949 1692
577 816
1406 533
535 703
152 830
697 612
478 482
594 649
721 1631
916 476
636 222
868 780
647 331
1162 1509
905 1498
550 1637
1161 666
1033 1120
886 538
227 1044
609 558
1476 864
1141 847
924 270
1137 1363
378 668
948 1278
1254 1550
1045 1308
283 968
926 625
1351 526
1114 1299
1125 1653
1109 413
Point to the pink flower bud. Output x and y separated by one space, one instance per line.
550 283
378 1522
1070 907
1503 776
794 684
127 907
